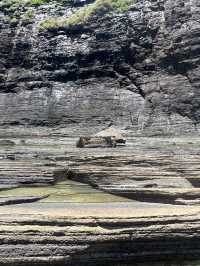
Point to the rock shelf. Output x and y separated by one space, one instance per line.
97 236
147 223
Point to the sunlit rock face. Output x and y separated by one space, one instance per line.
138 69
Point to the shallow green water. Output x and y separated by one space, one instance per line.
66 191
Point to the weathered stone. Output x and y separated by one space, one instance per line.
146 169
96 141
137 70
19 200
97 236
7 142
113 133
109 137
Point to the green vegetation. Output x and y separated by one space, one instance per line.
81 16
66 191
29 15
37 2
11 19
17 9
14 4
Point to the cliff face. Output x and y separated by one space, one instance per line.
137 68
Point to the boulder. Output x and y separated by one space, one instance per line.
96 141
113 133
109 137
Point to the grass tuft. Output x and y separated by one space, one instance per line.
82 16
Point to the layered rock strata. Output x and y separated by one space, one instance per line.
146 169
90 236
62 233
136 69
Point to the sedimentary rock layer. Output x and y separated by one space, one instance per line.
146 169
62 233
138 68
91 236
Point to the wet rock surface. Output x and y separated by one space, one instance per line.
146 169
153 177
19 200
156 177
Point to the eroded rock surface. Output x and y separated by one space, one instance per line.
146 169
94 236
54 231
19 200
138 69
153 169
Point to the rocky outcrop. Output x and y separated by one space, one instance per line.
109 137
146 169
31 162
137 69
19 200
15 173
164 170
57 232
97 236
6 142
